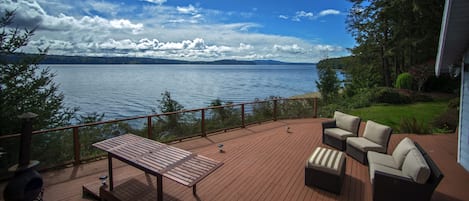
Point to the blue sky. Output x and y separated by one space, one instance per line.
284 30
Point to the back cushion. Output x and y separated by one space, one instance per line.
416 167
346 122
401 151
377 133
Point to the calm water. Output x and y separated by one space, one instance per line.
133 90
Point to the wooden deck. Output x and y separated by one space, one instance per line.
261 162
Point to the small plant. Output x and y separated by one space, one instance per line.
404 81
412 125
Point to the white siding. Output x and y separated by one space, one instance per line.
463 153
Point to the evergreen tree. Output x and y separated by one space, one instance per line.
328 84
24 85
393 35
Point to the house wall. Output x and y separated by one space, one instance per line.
463 144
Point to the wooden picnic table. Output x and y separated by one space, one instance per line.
158 159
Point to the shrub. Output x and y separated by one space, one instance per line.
388 95
448 121
443 83
454 103
412 125
404 81
327 111
418 97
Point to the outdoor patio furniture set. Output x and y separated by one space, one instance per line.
407 174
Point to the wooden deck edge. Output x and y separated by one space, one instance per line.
92 189
95 189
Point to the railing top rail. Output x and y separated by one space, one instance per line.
145 116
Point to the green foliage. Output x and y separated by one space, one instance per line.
421 73
295 108
328 84
222 117
454 103
175 125
391 96
404 81
391 115
326 111
335 63
25 86
419 97
394 35
443 83
448 121
412 125
261 110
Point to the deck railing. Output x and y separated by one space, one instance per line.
72 144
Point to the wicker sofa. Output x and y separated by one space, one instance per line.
408 174
336 131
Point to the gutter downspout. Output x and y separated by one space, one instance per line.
465 60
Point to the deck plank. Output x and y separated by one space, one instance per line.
262 162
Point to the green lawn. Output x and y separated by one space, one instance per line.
391 115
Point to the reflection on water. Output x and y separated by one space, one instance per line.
133 90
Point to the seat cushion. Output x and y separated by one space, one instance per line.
382 159
416 167
401 151
373 167
326 160
347 122
364 144
338 133
377 133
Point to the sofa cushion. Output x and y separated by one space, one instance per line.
377 133
364 144
401 151
347 122
373 167
416 167
338 133
382 159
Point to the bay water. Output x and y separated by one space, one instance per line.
121 91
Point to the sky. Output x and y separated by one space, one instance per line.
205 30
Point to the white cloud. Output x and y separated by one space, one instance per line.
293 49
329 12
299 15
187 10
302 14
283 17
159 2
158 31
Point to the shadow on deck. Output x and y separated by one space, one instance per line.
261 162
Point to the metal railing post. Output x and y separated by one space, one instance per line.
315 105
275 110
242 116
76 146
202 122
150 128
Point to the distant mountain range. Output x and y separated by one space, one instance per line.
59 59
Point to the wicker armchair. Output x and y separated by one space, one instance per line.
375 138
388 186
335 132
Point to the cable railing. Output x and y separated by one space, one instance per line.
71 145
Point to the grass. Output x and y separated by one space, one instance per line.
392 115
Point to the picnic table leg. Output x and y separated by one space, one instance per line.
194 189
159 183
111 180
